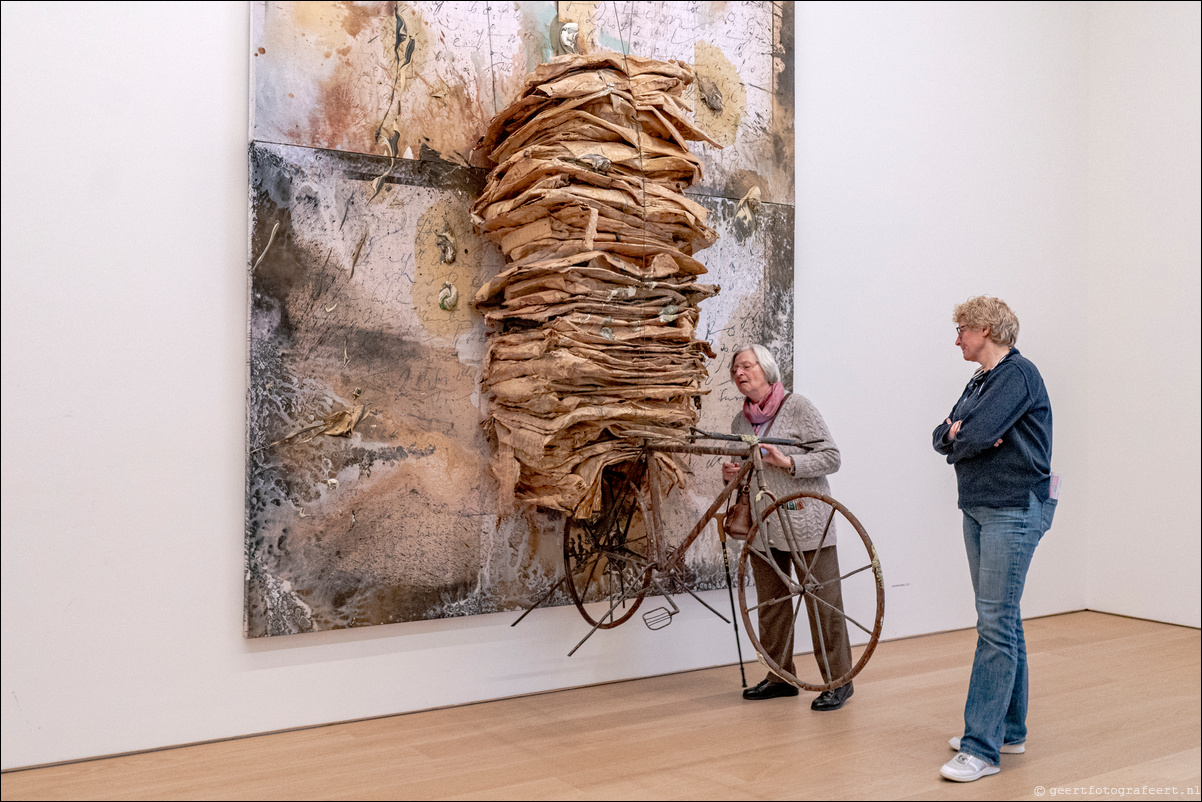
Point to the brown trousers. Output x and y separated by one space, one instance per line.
776 621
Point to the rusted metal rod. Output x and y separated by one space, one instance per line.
541 599
676 558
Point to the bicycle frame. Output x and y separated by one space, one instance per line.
604 544
667 563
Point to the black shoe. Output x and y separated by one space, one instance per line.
832 700
770 690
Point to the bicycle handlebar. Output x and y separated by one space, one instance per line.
696 433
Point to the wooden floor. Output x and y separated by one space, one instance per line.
1115 705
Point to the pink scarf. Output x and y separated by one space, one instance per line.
759 414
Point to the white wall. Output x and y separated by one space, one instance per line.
942 152
1141 487
940 156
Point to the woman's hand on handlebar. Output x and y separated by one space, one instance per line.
774 456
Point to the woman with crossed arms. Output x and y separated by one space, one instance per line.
999 438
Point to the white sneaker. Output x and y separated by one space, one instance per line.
1007 749
964 768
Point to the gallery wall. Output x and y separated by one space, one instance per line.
1141 492
940 156
943 150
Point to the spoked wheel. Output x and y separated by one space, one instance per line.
838 593
606 559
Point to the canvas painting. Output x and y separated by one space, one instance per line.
369 493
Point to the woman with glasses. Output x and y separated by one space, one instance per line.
769 411
999 438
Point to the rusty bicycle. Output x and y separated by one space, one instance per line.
616 559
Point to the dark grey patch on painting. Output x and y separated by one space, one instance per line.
429 170
776 221
744 225
783 88
784 61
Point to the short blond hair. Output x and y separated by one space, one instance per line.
985 311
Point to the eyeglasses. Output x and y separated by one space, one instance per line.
745 368
961 329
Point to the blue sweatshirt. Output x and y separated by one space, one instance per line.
1011 403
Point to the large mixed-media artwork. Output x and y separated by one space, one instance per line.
386 270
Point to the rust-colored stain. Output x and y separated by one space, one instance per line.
340 119
357 18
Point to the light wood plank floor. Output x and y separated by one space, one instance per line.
1115 704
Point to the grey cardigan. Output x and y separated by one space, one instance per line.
797 419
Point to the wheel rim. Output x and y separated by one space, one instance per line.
606 557
861 584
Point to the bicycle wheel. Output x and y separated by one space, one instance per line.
606 559
841 588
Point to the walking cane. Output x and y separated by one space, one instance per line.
730 589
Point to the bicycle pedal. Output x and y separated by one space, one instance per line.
658 618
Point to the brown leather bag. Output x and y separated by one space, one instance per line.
738 517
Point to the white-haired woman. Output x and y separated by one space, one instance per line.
999 438
769 411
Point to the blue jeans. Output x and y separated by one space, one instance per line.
1000 542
